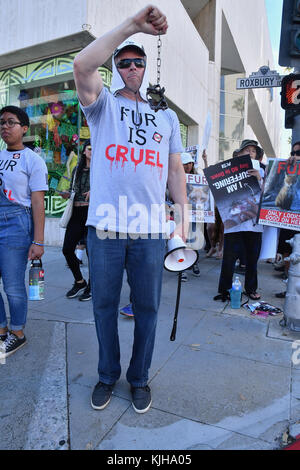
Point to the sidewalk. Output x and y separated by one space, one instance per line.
227 382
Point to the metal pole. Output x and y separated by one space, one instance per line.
173 333
291 307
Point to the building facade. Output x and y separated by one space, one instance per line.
209 44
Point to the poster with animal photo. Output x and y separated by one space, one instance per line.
236 193
200 198
280 205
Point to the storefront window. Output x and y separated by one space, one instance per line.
46 91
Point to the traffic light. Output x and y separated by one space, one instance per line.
289 118
289 54
290 92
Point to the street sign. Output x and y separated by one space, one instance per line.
264 78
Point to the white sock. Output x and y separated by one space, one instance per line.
79 254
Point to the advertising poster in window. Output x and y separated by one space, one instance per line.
200 198
236 193
280 206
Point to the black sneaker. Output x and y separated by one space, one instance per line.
184 277
77 288
86 295
101 396
281 295
196 270
11 344
3 337
141 399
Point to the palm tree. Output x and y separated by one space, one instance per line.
239 105
223 145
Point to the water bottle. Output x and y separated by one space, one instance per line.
236 293
36 280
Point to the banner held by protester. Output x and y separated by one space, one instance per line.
280 206
236 193
200 199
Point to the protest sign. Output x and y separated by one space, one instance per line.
280 205
207 131
200 199
236 193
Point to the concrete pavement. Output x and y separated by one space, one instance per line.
228 381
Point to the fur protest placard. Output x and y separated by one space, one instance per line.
280 206
236 193
200 198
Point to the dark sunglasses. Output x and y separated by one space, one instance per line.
88 147
295 153
126 63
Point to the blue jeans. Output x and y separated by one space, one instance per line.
16 235
143 261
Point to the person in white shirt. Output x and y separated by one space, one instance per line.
23 181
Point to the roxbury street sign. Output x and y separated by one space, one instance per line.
264 78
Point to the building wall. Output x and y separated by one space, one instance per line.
24 23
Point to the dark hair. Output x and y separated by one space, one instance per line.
21 115
82 160
294 144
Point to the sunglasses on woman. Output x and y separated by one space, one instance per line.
295 153
126 63
88 147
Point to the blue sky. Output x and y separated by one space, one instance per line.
274 11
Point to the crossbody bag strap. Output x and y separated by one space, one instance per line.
74 179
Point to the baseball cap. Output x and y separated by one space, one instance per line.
127 45
186 158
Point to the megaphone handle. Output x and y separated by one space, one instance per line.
173 333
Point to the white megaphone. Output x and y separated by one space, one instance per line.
179 257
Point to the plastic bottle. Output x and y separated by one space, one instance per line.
36 280
236 293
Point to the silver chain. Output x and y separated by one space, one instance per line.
158 59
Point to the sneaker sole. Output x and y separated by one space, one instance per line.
75 295
100 407
3 356
142 411
85 300
126 315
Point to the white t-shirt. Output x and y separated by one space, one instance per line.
129 166
21 173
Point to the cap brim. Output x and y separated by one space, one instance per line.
136 48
